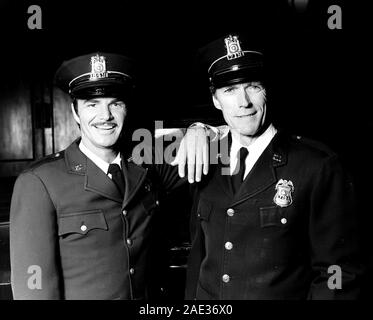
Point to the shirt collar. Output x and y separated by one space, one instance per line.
258 146
102 164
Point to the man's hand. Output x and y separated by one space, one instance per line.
193 151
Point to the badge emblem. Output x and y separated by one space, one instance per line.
284 190
233 47
98 67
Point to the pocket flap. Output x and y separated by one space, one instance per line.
81 222
270 216
149 203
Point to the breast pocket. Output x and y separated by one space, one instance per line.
149 203
278 244
81 222
272 217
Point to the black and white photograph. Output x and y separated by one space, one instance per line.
184 153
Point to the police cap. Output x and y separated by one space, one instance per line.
96 75
229 60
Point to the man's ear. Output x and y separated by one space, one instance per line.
216 102
76 117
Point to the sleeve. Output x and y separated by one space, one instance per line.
168 174
33 241
197 252
334 236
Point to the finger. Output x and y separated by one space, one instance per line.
191 156
199 156
181 155
205 156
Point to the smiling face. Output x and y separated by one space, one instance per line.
101 122
243 106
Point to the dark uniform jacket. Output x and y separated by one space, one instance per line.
245 246
69 220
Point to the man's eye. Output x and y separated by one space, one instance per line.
91 105
229 89
255 87
118 104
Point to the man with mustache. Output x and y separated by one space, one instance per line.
275 218
81 219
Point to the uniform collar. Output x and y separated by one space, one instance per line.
97 181
102 164
255 149
259 144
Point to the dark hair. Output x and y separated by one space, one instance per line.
75 105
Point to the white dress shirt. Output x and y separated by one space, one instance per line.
255 149
102 164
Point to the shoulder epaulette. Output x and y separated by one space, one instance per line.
50 158
313 144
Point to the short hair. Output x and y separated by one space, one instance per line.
75 105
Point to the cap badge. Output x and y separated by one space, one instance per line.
98 67
233 47
283 195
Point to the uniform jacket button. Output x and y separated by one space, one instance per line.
284 220
228 245
230 212
129 241
124 212
83 227
225 278
132 271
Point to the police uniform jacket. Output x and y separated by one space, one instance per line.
70 225
246 246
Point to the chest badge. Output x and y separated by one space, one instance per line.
284 190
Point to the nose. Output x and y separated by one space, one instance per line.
105 112
243 98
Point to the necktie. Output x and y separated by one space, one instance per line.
239 171
117 176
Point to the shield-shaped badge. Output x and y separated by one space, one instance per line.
98 67
284 190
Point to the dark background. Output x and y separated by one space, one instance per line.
317 73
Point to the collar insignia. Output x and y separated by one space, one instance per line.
98 67
233 47
284 190
78 167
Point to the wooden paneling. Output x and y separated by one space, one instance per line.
13 168
65 128
5 288
15 122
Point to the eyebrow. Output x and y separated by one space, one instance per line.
91 100
97 101
231 86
